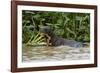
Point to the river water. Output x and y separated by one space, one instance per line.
44 53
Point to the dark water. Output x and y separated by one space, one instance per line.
44 53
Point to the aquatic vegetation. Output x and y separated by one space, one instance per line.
36 40
75 26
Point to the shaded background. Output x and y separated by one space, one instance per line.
73 26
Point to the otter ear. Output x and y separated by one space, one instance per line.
39 26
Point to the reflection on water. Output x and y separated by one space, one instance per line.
44 53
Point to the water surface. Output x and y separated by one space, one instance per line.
44 53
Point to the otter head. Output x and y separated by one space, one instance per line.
45 30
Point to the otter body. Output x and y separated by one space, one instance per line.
58 41
53 40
